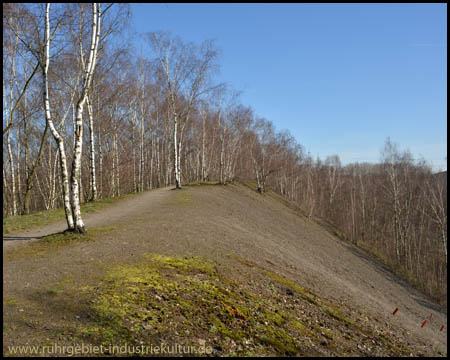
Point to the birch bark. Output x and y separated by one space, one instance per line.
76 163
92 151
59 140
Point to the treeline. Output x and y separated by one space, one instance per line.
156 118
396 209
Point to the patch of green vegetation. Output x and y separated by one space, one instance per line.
324 332
48 244
386 341
336 314
242 260
10 301
253 185
280 340
25 222
275 317
339 234
300 326
307 294
165 295
53 292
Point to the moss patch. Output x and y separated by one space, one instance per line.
10 301
188 301
184 299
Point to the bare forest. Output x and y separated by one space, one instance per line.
86 116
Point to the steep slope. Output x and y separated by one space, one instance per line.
332 298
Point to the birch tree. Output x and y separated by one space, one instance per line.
185 74
58 138
88 68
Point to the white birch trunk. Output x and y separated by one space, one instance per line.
13 181
158 161
113 170
203 171
58 138
76 163
100 164
19 179
8 138
142 155
222 147
175 151
152 156
76 171
116 146
92 151
134 159
53 191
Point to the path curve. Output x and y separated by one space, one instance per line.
116 213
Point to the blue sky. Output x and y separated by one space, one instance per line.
340 77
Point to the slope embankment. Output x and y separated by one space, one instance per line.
269 281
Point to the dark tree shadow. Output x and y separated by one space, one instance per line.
24 238
11 238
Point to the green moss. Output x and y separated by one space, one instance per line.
276 318
300 326
336 314
53 292
242 260
164 294
280 340
322 331
10 301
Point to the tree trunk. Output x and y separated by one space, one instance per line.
203 171
76 163
142 154
76 167
100 164
92 151
175 151
29 181
116 146
58 139
12 169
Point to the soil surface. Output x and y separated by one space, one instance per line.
216 222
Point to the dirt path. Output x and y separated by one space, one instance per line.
214 222
120 212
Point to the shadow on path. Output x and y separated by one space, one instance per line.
10 238
15 238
